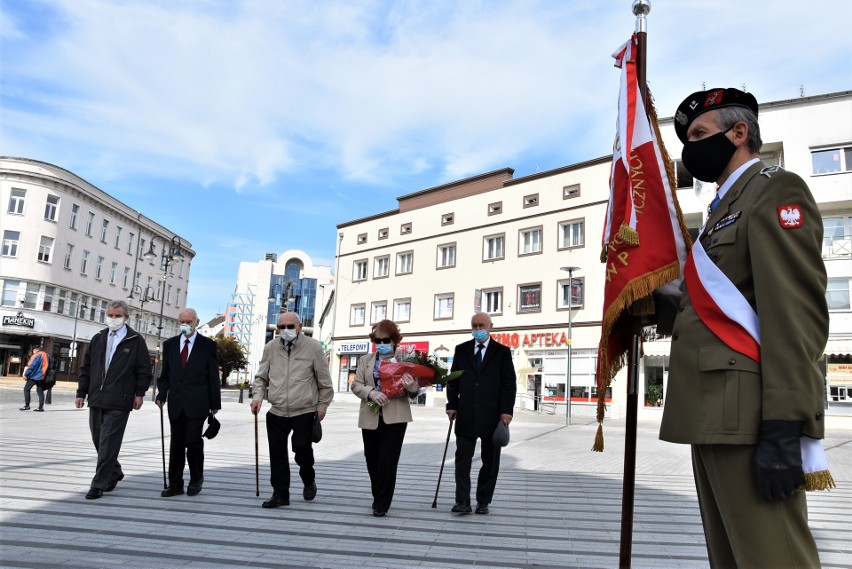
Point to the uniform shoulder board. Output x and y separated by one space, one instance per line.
769 170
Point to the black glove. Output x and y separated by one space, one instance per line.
778 459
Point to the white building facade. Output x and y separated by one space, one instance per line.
498 244
68 249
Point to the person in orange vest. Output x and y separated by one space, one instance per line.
35 373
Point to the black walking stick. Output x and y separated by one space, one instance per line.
256 460
163 444
441 473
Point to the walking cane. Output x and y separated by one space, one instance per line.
163 444
256 461
441 473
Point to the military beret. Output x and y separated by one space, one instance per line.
212 427
703 101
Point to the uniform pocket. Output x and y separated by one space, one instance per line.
729 390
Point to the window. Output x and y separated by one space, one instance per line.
529 297
444 306
378 312
45 247
180 269
75 209
69 250
383 233
130 237
51 207
48 298
446 255
381 267
837 237
141 248
90 220
10 243
402 310
60 303
495 208
492 249
356 317
573 294
104 227
837 294
529 241
492 301
683 178
177 298
17 201
359 270
99 267
10 293
362 238
169 295
31 295
530 200
571 234
832 160
84 262
405 229
447 219
102 312
113 272
117 235
572 191
126 277
404 262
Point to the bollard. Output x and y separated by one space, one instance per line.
241 394
48 399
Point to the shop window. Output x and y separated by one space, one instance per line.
654 386
529 297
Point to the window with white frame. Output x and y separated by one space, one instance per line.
529 241
11 239
529 297
378 312
126 278
47 300
402 310
90 220
572 294
444 306
117 236
130 237
99 267
492 300
60 302
69 250
17 201
404 262
51 207
45 249
75 210
356 316
113 273
571 234
10 293
381 267
836 236
359 270
493 247
446 255
84 262
169 294
104 227
832 160
141 248
31 295
837 294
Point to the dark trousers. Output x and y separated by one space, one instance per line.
39 390
277 432
382 448
186 445
107 427
742 529
487 480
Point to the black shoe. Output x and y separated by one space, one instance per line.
172 491
482 508
94 494
40 410
461 508
276 501
194 487
24 408
379 513
111 486
310 491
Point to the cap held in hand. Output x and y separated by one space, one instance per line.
501 434
212 426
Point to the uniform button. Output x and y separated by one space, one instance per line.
819 416
732 361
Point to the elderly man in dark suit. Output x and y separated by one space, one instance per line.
479 399
189 381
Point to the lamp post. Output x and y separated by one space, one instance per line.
570 322
144 297
73 352
174 252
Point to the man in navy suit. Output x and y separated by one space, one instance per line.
479 399
189 381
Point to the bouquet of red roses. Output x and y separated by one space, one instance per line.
425 369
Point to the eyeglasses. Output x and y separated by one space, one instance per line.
383 341
287 326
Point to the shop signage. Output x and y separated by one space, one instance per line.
532 340
840 374
353 348
19 320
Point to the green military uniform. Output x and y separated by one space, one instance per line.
716 397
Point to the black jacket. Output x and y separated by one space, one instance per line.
194 390
480 397
128 376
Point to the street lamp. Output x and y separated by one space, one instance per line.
570 322
144 297
286 298
73 352
174 252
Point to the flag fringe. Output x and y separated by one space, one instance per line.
815 481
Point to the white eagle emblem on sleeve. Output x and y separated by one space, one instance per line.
790 216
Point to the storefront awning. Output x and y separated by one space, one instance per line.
658 348
838 347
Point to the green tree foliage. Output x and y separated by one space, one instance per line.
232 356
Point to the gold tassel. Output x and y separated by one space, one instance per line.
628 235
816 481
599 446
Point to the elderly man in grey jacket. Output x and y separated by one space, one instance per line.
293 375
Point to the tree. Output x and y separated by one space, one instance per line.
232 356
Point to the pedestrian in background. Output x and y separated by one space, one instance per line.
293 375
115 375
34 373
383 431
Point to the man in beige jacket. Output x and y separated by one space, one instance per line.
293 375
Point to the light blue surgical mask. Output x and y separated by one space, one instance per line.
384 349
479 335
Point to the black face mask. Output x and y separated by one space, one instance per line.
707 158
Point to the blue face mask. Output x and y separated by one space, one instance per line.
479 335
384 349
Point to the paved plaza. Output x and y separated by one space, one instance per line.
557 503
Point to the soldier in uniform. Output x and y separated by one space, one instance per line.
744 388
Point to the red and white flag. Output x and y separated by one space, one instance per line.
644 239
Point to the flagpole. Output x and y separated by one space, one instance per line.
641 8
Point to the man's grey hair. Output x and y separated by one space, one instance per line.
119 304
726 117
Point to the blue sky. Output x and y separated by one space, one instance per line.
257 126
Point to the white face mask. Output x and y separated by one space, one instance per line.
114 324
289 335
186 329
